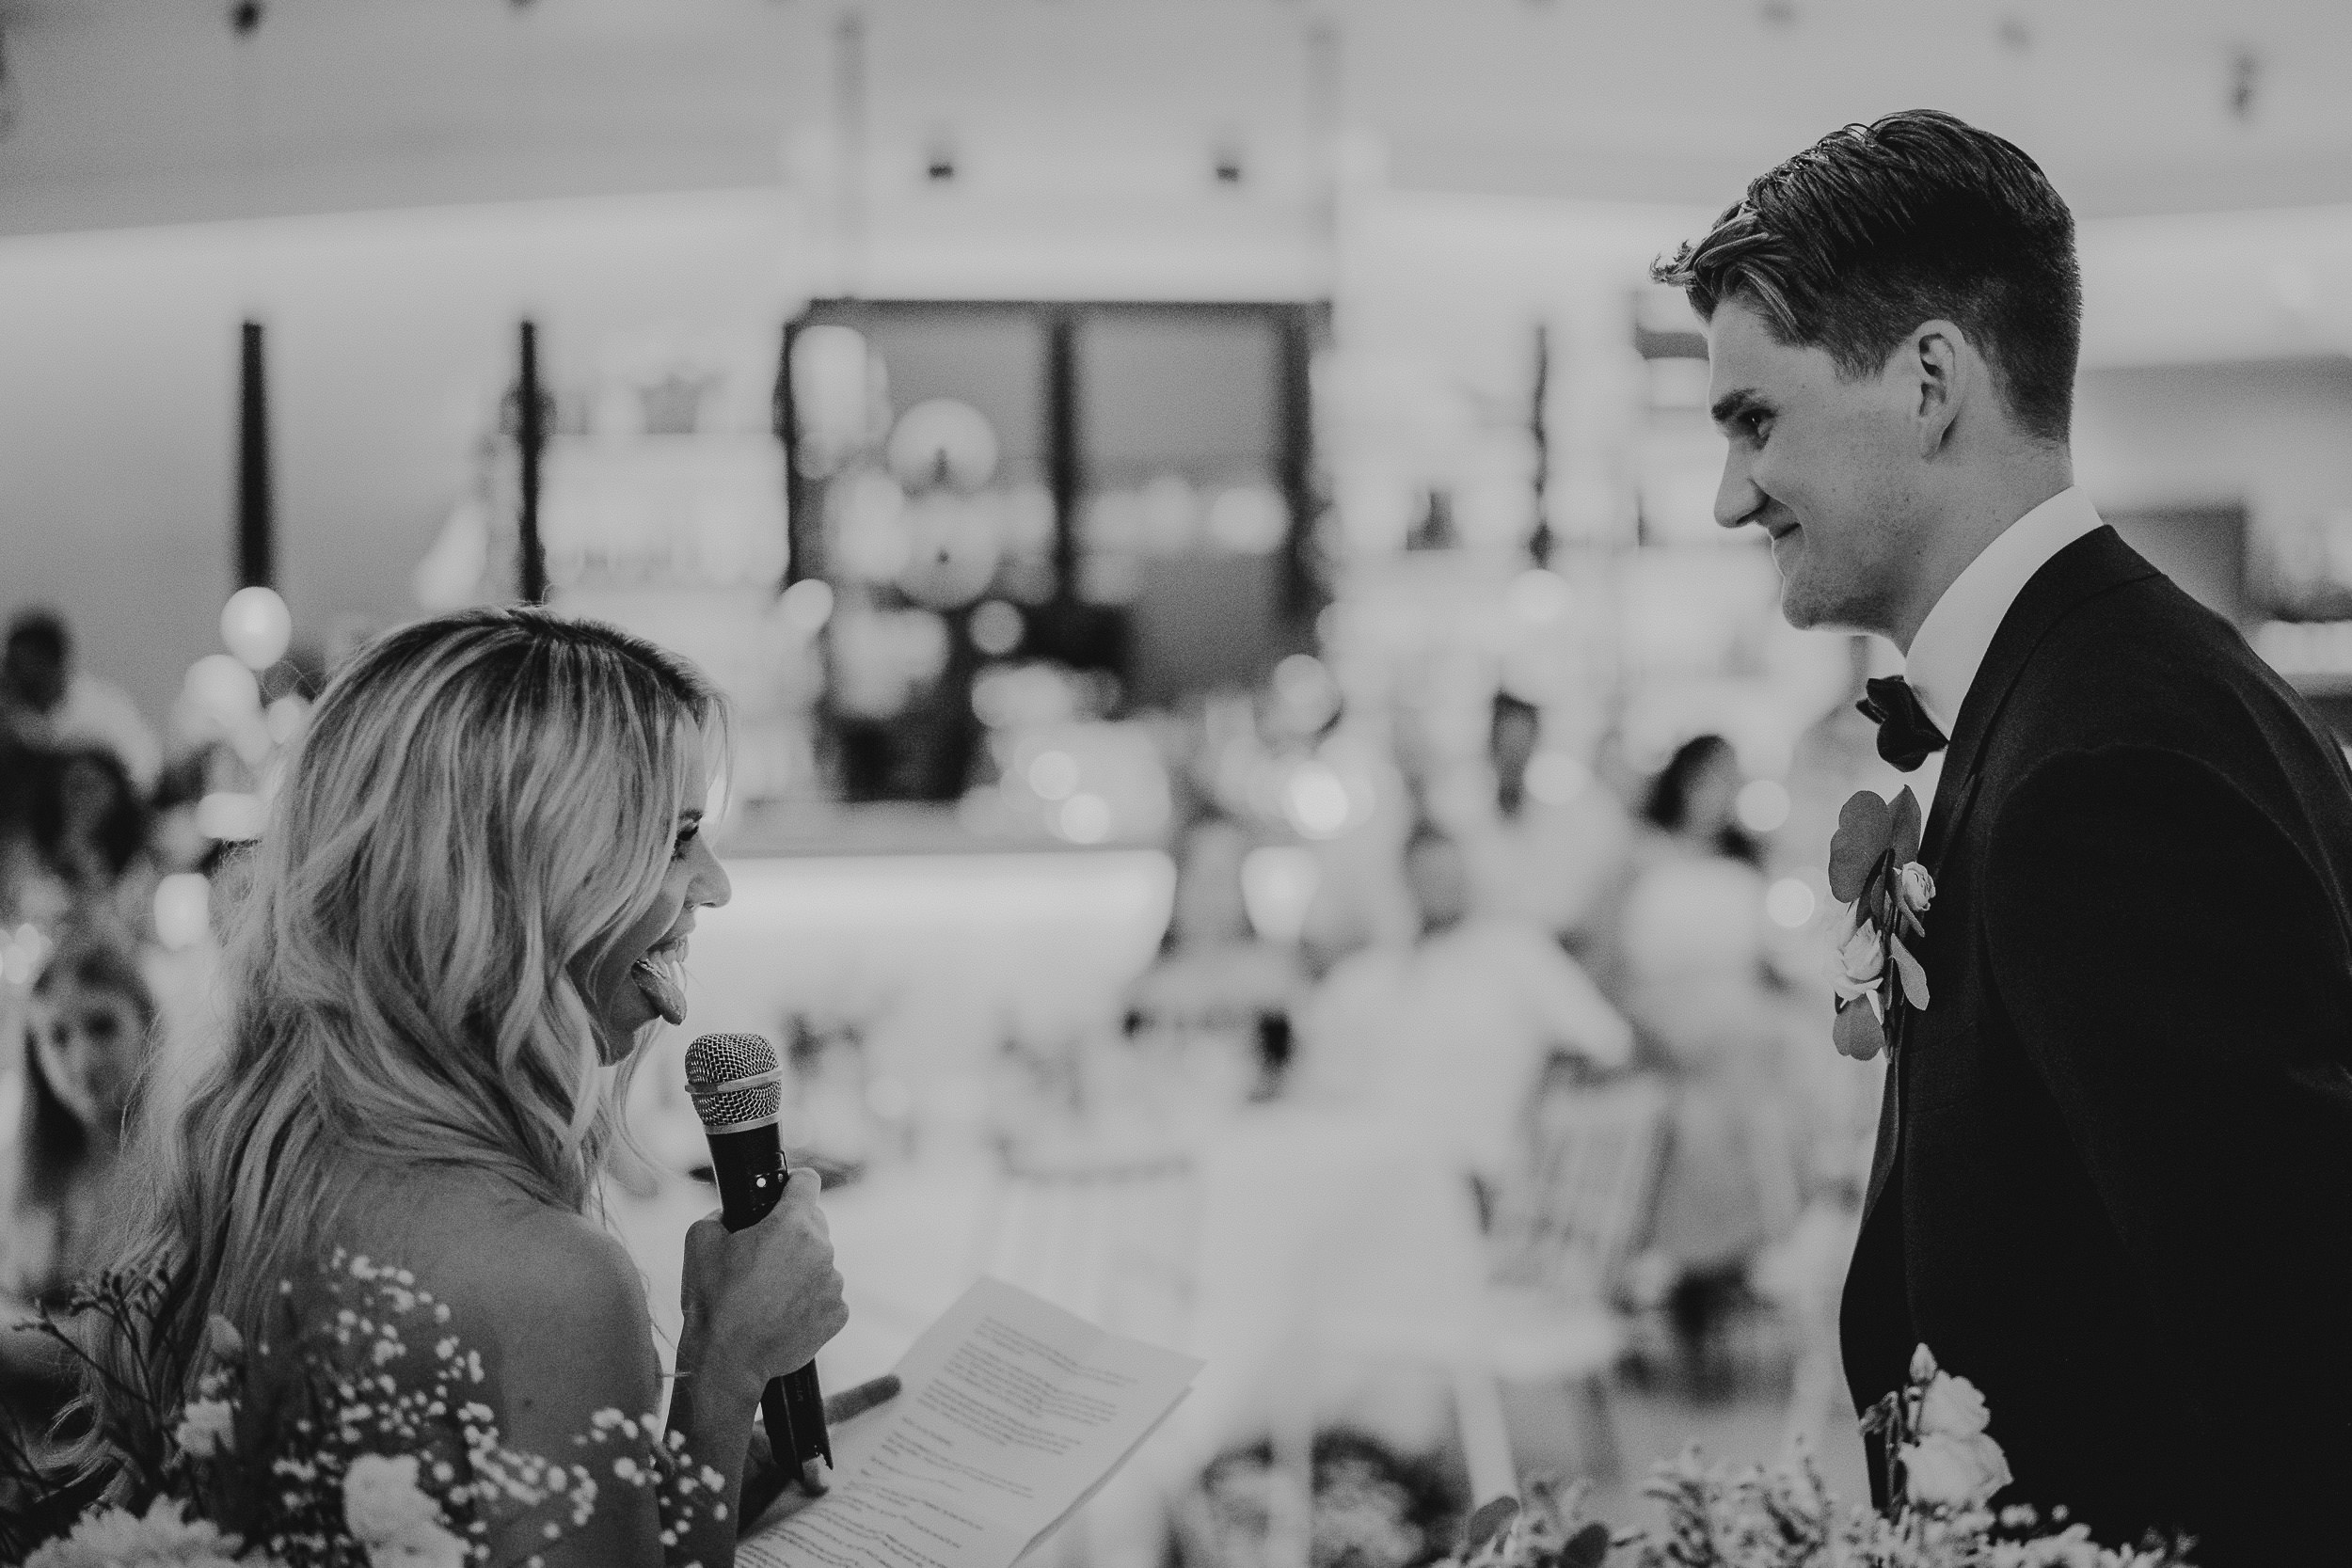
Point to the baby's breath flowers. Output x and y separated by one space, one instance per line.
356 1433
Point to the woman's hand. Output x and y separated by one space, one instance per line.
761 1302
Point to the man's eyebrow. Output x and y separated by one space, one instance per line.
1732 405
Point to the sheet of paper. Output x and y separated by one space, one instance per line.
1013 1414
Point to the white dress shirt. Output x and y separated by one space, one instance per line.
1953 640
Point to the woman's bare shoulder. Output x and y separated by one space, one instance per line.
524 1273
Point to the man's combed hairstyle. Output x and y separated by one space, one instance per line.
1875 229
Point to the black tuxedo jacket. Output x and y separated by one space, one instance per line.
2113 1182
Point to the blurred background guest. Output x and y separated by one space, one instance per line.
1714 1018
90 836
1214 976
1692 806
45 702
87 1037
1455 1028
1553 849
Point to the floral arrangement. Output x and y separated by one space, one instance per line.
354 1441
1874 869
1936 1446
1369 1508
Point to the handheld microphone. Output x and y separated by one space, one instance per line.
738 1092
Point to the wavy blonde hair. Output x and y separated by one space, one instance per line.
483 804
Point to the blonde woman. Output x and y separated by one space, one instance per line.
469 908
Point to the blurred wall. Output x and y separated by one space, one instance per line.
391 339
2274 437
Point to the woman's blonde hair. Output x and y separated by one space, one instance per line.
483 804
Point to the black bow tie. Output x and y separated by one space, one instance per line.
1907 737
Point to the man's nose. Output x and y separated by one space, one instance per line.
1737 498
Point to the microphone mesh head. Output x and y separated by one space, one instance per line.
716 1059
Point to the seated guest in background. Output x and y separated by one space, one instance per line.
1557 863
469 903
1455 1029
45 703
90 830
87 1037
1215 975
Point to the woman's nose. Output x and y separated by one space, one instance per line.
710 887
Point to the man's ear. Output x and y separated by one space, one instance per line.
1936 365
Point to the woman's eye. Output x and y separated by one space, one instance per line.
685 841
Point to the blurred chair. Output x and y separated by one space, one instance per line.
1564 1234
1111 1236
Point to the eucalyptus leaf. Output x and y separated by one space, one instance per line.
1857 1033
1904 831
1864 826
1913 973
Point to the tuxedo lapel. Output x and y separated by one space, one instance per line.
2096 563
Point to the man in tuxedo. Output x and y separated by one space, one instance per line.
2113 1182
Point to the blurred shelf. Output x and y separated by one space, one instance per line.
882 828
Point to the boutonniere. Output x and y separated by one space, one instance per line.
1874 869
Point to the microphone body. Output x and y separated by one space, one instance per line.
747 1164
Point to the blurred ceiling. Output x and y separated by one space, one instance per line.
130 112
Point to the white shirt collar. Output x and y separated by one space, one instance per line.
1953 640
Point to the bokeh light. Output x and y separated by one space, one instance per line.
256 626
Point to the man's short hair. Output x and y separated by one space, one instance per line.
1875 229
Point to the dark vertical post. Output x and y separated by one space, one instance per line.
530 442
1062 435
1293 426
800 496
1539 542
257 539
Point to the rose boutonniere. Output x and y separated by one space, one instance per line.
1874 869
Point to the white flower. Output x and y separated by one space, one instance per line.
1953 1408
382 1501
1916 888
1922 1364
161 1540
430 1546
1861 962
206 1426
1953 1472
222 1339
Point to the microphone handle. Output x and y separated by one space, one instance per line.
750 1170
